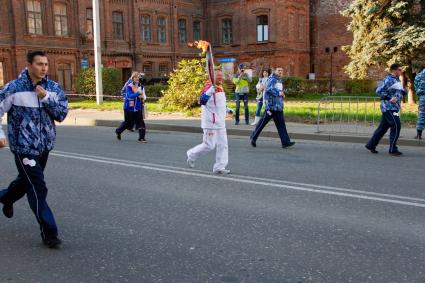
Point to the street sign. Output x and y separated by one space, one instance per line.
227 60
84 64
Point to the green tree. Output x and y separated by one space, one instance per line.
185 85
86 81
386 32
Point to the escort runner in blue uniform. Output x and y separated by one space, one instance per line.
391 92
33 103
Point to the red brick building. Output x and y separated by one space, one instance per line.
152 35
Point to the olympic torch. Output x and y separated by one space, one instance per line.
205 46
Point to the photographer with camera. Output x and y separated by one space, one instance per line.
242 80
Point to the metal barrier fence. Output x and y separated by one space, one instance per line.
348 114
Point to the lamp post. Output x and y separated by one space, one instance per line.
331 52
97 52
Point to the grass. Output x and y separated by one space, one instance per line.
295 111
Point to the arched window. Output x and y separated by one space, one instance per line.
162 29
182 31
227 31
89 23
64 76
61 19
146 28
164 70
34 21
262 28
148 70
196 30
118 25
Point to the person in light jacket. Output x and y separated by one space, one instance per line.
261 87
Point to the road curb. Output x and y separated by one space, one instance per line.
247 133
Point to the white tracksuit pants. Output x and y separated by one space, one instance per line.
212 139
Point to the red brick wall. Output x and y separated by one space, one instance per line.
329 31
288 44
299 32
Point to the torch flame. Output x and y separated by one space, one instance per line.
201 44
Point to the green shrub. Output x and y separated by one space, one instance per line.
86 81
155 90
185 85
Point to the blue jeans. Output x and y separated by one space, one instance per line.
259 106
244 97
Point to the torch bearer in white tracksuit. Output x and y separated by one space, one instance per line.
213 113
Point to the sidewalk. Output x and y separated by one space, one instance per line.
180 123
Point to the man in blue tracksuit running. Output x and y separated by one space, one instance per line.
391 92
33 103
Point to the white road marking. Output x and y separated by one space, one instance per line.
358 194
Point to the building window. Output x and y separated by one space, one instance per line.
162 30
64 76
118 25
147 69
35 25
146 28
196 30
163 70
89 23
1 74
182 31
262 28
61 20
227 31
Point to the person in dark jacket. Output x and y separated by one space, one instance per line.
133 108
391 92
273 109
33 103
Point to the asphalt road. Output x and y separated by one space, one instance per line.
130 212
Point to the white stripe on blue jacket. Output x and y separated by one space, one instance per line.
31 127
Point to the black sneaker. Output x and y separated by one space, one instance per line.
118 136
373 150
253 143
288 145
396 153
143 141
52 242
8 210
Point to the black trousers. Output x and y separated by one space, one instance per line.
30 182
279 121
390 119
133 118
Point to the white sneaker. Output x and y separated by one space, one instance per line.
221 171
257 119
191 163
